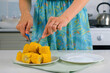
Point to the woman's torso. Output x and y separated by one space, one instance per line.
76 35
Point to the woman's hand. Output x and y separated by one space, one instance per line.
25 24
54 24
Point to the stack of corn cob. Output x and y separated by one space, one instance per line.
34 53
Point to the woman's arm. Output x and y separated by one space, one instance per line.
55 23
26 20
25 6
74 9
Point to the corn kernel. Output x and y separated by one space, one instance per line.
46 58
26 48
19 56
26 57
44 50
36 58
34 47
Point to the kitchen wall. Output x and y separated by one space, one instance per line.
10 9
10 13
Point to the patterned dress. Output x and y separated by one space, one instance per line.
75 36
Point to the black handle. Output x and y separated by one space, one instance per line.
101 4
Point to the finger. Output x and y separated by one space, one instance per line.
44 33
47 34
22 30
24 35
18 26
28 27
50 30
47 26
54 27
60 26
46 30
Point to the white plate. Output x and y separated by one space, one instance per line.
54 59
82 58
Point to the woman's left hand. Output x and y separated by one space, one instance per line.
54 24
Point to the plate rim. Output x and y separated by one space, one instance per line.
102 58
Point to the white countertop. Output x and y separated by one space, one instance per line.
15 30
10 30
7 66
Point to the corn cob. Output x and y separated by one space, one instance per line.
34 47
44 50
19 56
46 58
26 48
36 58
26 57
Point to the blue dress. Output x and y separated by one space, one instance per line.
75 36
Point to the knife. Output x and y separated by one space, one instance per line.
39 40
28 37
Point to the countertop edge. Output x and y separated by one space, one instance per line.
10 31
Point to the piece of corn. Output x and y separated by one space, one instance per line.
46 58
19 56
44 50
36 58
26 57
34 47
26 48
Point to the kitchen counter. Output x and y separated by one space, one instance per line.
10 30
15 30
7 66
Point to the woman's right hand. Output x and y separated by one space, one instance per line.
25 24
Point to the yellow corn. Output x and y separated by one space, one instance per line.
44 50
19 56
46 58
36 58
34 53
26 48
34 47
26 57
